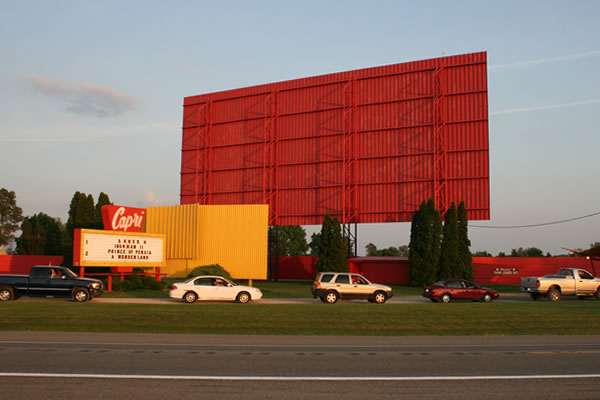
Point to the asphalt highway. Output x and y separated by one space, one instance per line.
516 297
158 366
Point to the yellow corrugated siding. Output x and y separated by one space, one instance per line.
175 267
234 236
180 225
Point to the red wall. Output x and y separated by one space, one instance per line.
390 270
302 268
21 265
395 270
510 270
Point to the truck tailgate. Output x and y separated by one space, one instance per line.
529 282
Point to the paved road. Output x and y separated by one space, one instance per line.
152 366
394 300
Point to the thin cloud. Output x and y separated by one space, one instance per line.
150 199
546 107
542 61
85 98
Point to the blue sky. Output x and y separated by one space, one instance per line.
92 94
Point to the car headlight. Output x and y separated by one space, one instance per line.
96 285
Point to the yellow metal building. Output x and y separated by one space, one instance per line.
233 236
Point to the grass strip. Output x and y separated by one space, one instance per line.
350 319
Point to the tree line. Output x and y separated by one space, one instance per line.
437 249
41 234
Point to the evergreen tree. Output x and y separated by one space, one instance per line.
10 217
339 247
32 240
450 262
41 235
464 243
81 216
315 241
418 247
287 241
434 219
373 251
331 248
103 200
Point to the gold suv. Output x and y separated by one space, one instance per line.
331 286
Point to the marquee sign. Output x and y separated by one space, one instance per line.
124 249
126 219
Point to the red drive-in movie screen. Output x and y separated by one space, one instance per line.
365 146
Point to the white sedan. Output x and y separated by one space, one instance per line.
213 288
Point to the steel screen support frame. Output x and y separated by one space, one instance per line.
440 159
270 163
348 176
347 234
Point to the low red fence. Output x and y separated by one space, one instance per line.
21 265
395 270
296 268
510 270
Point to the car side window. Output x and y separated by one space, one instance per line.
455 285
326 278
40 273
342 279
202 282
585 275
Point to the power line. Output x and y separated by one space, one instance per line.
535 225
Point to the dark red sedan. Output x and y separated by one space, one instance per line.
458 289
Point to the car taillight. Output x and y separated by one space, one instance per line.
318 285
537 283
174 287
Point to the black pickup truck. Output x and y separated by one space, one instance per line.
49 281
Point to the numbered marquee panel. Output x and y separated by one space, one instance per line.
104 248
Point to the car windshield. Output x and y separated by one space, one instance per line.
70 274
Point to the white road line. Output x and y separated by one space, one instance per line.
295 378
374 346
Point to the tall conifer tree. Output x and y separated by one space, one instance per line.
464 243
450 262
418 246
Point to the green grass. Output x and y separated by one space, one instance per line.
139 293
565 318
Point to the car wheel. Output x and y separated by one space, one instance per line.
445 298
380 297
331 297
535 296
6 294
81 295
243 297
553 295
190 297
487 298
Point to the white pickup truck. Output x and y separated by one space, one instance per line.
567 281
